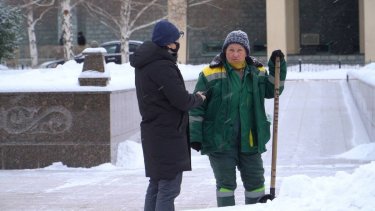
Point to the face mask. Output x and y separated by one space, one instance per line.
177 47
173 52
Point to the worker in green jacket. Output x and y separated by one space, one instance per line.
231 126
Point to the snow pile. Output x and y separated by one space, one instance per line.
341 192
360 152
94 50
2 67
366 74
130 155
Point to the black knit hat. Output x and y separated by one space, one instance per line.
165 33
238 37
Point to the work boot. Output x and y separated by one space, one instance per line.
225 201
249 200
252 197
225 197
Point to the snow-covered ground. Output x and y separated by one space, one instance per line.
325 158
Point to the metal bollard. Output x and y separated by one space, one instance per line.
300 65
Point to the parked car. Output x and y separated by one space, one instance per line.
52 64
113 54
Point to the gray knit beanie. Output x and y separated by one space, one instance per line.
238 37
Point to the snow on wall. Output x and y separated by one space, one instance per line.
362 87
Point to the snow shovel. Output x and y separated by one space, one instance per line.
271 196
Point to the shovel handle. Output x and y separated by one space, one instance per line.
275 125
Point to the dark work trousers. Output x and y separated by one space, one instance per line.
250 165
224 166
161 194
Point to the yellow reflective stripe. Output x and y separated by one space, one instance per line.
209 71
214 73
255 193
225 190
251 139
262 69
261 189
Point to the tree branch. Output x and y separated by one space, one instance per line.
77 2
101 12
141 12
42 14
194 3
147 24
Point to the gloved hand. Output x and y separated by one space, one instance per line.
196 145
277 53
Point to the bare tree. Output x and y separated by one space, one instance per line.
125 23
30 7
66 7
130 13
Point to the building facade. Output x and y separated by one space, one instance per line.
327 28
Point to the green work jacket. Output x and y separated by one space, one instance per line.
213 124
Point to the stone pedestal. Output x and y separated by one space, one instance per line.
79 129
38 129
93 71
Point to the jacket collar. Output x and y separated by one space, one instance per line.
219 59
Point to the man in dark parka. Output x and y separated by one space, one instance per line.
164 104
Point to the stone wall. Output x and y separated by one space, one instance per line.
78 128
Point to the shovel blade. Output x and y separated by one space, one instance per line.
265 198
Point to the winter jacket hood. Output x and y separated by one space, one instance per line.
149 52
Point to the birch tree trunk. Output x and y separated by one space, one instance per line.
30 6
32 38
67 29
177 14
125 29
